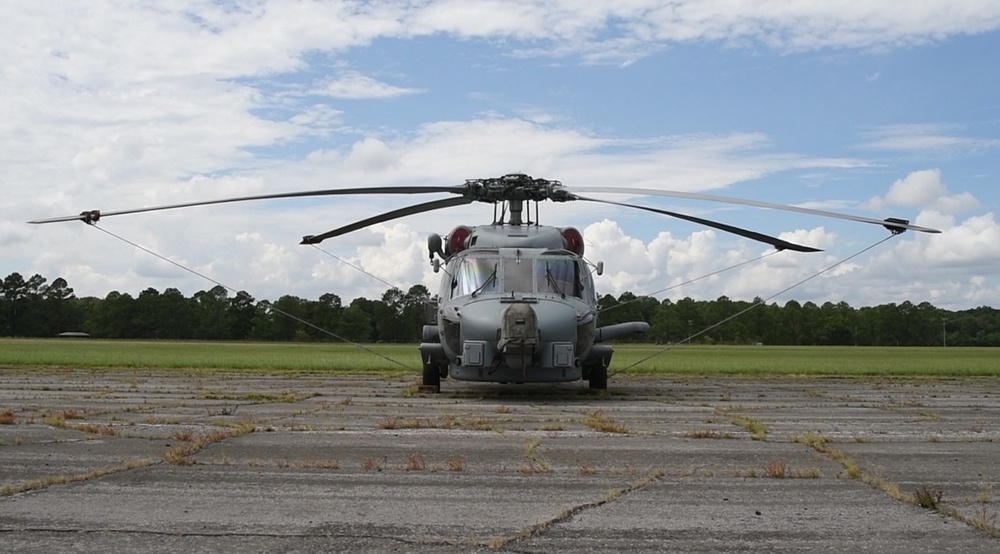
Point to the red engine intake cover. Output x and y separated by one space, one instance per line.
573 240
457 239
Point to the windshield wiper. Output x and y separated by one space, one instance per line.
552 281
489 281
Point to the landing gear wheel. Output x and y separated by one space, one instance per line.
599 377
432 378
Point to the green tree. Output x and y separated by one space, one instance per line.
211 311
282 320
415 313
175 316
112 317
356 324
146 315
242 310
61 312
21 299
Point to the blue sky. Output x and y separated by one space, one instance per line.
879 109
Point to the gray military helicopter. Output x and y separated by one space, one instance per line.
517 302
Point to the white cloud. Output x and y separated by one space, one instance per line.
319 116
126 103
353 85
971 244
12 233
925 189
256 249
923 138
372 154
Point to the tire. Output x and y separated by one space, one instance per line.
599 377
432 377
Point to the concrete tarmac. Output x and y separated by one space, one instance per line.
177 461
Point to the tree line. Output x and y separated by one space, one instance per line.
34 307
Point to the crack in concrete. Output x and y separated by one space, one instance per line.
855 471
543 527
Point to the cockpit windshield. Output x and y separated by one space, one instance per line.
558 276
475 275
492 273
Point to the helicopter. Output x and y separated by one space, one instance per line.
516 301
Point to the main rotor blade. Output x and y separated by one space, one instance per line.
402 212
773 241
894 225
94 215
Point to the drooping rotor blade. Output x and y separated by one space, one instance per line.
94 215
892 224
773 241
388 216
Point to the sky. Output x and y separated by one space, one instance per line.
877 109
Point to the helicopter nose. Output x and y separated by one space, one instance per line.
518 330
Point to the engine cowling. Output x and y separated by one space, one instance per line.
573 240
458 240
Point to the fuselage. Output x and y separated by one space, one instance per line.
517 304
514 306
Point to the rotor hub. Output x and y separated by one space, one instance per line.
515 187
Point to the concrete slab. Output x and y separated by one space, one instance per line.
165 461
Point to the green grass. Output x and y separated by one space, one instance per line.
344 358
251 356
810 360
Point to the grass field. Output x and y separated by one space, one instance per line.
396 358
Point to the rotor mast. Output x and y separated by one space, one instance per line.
516 207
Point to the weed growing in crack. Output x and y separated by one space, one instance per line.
328 463
499 542
814 441
186 435
780 469
181 455
706 434
536 463
11 489
756 427
416 462
95 429
456 464
371 464
477 424
393 423
928 499
599 421
777 469
985 521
